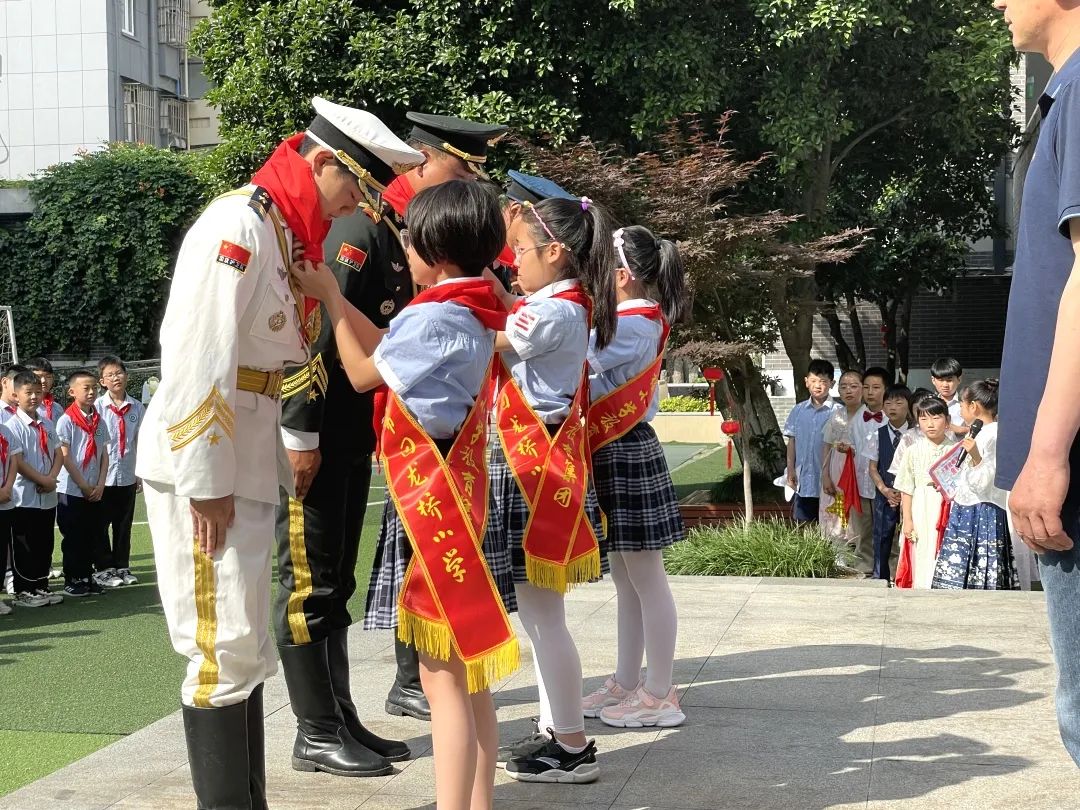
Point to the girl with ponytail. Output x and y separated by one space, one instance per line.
633 484
976 552
542 506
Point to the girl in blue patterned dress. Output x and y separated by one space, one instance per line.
976 552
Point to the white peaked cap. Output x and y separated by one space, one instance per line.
342 129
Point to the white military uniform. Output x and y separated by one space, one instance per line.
207 434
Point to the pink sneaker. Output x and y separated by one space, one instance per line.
642 709
610 694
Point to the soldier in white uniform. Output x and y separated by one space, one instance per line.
210 452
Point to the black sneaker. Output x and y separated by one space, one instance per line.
77 589
526 746
93 586
553 763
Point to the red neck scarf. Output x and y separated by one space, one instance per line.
42 435
11 408
3 456
507 258
89 425
575 295
287 177
653 313
399 194
121 412
49 402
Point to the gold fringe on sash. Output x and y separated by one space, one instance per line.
559 577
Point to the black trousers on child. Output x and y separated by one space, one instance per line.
117 512
80 528
32 547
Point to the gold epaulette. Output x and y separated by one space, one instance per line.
312 377
212 409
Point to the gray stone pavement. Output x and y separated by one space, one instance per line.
798 694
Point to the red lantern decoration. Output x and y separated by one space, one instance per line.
730 427
712 375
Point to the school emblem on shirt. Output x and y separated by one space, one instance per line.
278 321
351 256
386 307
524 322
234 256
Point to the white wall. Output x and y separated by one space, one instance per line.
54 90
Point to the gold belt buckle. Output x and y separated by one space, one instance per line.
274 382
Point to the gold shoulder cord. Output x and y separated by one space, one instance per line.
298 297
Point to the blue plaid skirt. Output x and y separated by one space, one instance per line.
508 515
633 486
392 558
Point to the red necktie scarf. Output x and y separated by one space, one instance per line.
3 455
49 402
508 258
42 435
120 414
867 416
90 426
11 409
399 194
288 179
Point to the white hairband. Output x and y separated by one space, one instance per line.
619 242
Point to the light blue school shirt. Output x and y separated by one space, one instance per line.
75 439
631 352
26 493
434 358
550 340
121 470
806 425
14 449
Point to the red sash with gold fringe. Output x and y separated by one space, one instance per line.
615 414
552 473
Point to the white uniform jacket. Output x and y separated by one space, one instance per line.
230 306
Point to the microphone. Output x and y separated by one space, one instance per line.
976 426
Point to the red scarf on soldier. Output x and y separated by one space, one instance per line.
287 177
476 295
90 426
399 194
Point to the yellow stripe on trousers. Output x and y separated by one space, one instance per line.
205 627
301 574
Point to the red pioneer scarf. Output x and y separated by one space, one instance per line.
49 402
849 485
508 258
90 426
399 194
552 474
904 570
615 414
288 179
120 414
3 457
43 436
942 522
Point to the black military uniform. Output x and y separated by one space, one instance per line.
315 567
318 539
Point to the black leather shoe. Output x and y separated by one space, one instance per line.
217 743
337 653
406 695
322 741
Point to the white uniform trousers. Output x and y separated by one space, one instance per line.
217 608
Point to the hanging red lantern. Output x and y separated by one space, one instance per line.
730 427
712 375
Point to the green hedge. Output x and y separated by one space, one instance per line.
766 548
684 405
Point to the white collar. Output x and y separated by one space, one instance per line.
634 303
453 281
553 289
26 419
105 399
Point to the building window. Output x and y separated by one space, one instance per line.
173 22
138 113
129 17
174 123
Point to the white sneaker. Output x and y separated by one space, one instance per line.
5 608
610 694
643 709
126 575
30 600
56 573
54 598
9 583
108 578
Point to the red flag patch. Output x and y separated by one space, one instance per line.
351 256
234 256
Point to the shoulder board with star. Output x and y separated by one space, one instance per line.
260 202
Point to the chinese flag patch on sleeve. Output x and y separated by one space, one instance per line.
524 322
351 256
234 256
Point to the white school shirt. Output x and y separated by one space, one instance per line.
121 470
75 439
977 483
857 432
550 340
631 351
26 493
14 449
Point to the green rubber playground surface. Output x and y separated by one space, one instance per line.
77 676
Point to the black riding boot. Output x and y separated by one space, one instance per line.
406 695
337 652
322 741
217 744
256 743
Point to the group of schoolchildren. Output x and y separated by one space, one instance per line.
72 468
864 469
591 323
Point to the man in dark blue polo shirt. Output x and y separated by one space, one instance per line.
1038 454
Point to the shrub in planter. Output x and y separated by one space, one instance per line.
765 548
684 405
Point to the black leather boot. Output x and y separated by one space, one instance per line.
217 744
337 653
322 741
406 695
256 742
